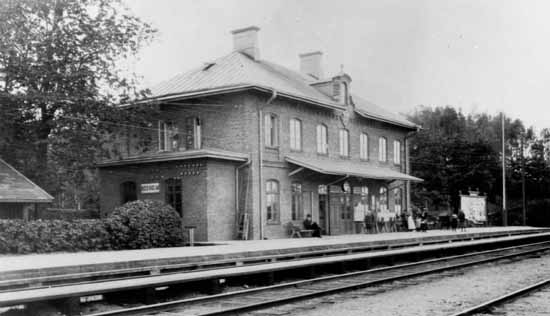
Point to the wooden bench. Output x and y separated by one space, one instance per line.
298 232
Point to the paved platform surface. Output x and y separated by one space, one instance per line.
45 261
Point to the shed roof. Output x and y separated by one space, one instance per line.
16 188
350 168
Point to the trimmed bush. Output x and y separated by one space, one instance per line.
144 224
18 236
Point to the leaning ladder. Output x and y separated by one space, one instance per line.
243 227
243 218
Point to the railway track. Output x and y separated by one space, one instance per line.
280 294
503 299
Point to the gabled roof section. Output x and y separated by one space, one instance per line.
372 111
16 188
237 70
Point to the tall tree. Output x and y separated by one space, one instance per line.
61 59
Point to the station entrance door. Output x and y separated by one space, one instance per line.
341 214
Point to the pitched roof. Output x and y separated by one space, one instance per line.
238 71
15 187
370 110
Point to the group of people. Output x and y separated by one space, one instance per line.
406 221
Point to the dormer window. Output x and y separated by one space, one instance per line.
336 89
345 93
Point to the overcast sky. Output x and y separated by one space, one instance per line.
478 55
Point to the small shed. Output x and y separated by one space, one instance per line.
19 196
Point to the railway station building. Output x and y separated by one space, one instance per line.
19 196
244 146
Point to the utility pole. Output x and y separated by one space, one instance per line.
504 212
523 182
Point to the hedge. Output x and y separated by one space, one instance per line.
135 225
18 236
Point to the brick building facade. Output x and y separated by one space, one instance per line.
245 136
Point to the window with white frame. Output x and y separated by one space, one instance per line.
197 133
272 200
398 200
364 146
297 202
383 198
344 142
271 131
165 133
295 134
322 139
382 149
396 152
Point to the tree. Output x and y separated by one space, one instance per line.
453 153
61 59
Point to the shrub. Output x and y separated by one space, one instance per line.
66 214
144 224
18 236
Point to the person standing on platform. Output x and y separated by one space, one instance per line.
454 221
359 217
461 221
410 222
424 221
403 218
311 225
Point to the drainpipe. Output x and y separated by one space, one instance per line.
261 163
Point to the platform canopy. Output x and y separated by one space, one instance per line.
349 168
16 188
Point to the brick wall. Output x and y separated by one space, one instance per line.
230 122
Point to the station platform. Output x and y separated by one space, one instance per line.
236 252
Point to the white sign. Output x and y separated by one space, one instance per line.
150 187
474 207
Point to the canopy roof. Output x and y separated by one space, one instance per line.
178 155
349 168
16 188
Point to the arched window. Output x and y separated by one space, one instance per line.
271 130
297 207
383 198
295 134
398 200
128 191
272 200
345 95
344 142
382 149
365 193
322 139
396 152
364 146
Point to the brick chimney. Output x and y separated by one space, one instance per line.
310 64
246 41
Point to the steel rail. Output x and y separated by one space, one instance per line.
502 299
140 310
